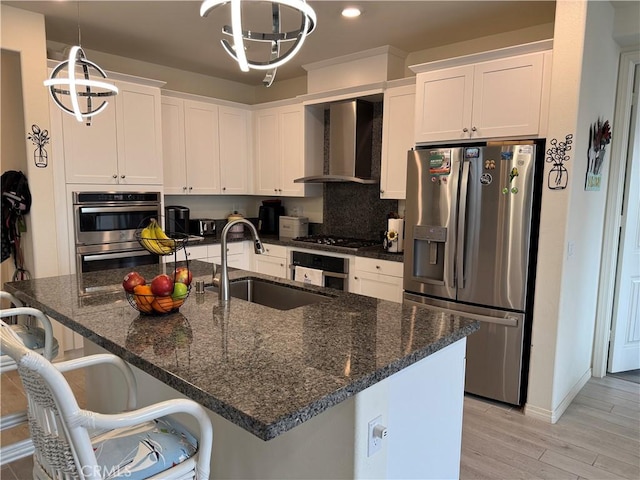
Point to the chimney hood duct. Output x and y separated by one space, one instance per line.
350 137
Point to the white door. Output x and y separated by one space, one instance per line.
173 147
267 152
624 351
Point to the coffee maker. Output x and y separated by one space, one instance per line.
269 216
176 220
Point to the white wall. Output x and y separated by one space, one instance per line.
24 32
583 83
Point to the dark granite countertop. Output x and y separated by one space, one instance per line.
369 252
265 370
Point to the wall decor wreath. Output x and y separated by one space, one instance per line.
599 138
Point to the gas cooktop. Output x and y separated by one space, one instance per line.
336 241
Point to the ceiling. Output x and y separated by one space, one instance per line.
173 34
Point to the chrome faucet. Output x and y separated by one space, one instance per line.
224 292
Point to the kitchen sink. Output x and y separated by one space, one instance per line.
273 295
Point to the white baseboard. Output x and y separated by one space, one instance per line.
552 416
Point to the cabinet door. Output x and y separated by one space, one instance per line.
234 150
443 104
273 266
139 135
374 285
506 97
397 139
202 148
173 147
267 152
291 150
91 153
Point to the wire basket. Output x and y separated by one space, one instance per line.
149 304
153 239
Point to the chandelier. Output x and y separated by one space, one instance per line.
85 87
275 38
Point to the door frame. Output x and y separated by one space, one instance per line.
612 225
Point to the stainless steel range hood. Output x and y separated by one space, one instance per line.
350 136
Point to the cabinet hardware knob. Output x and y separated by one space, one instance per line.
381 192
190 188
224 188
184 189
465 129
115 176
473 129
275 189
355 278
378 267
282 264
122 176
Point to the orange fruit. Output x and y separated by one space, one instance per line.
177 302
144 298
162 304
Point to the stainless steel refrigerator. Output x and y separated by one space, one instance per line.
471 224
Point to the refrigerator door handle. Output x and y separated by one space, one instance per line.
462 221
508 321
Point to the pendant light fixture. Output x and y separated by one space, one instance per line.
82 86
240 35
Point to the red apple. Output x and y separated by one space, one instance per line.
132 280
183 275
162 285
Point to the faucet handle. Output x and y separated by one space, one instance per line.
215 276
258 247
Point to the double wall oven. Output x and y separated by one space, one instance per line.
104 228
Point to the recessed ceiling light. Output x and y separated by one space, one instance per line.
351 12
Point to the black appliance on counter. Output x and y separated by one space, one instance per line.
176 219
203 227
269 216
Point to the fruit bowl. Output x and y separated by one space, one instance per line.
150 304
163 294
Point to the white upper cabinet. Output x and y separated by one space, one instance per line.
202 147
286 141
173 147
496 98
206 146
138 112
123 144
397 140
235 144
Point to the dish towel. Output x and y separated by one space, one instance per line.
308 275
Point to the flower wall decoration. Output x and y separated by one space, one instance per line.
39 138
557 154
599 138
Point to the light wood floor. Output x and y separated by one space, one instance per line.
598 437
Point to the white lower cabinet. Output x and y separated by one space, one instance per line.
237 254
272 262
377 278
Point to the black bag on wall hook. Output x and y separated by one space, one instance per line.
16 201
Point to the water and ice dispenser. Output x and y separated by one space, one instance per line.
429 245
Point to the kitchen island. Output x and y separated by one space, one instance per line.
291 392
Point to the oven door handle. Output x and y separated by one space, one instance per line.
334 274
116 209
325 273
108 256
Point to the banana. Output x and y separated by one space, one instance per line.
149 239
162 237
